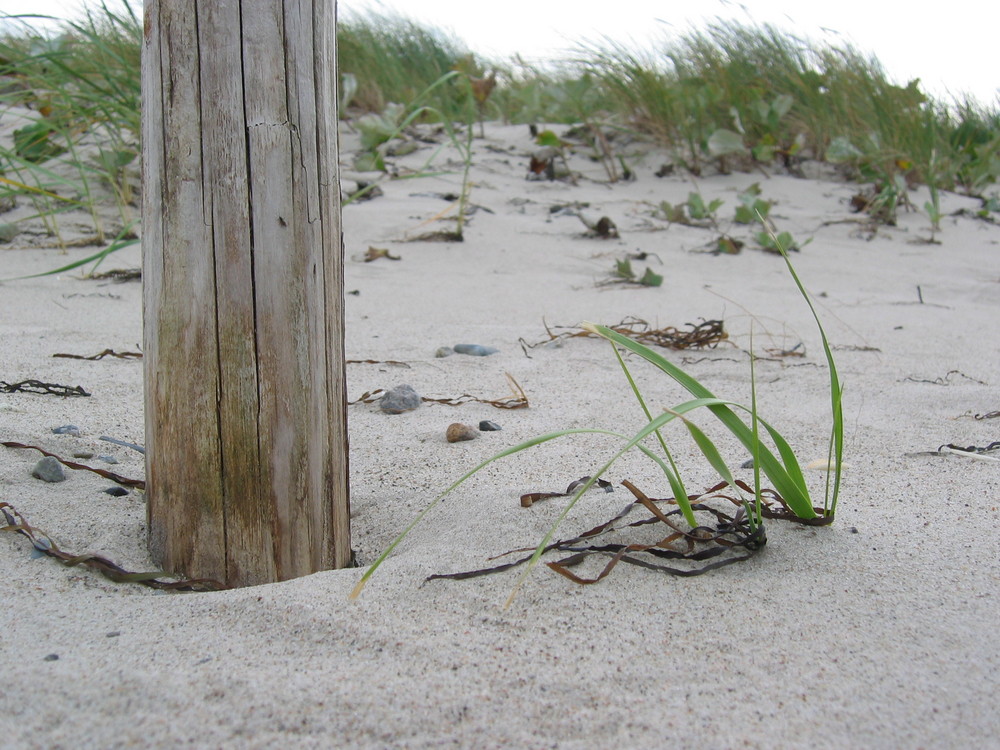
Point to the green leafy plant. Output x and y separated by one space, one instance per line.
693 212
623 272
777 242
751 206
780 465
81 92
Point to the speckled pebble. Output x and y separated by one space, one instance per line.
475 350
488 426
399 399
458 432
83 454
67 429
49 470
444 351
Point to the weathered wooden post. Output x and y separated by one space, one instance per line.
246 439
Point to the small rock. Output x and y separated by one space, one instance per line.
107 459
83 454
747 464
488 426
51 657
475 350
49 470
8 232
67 429
399 399
458 432
444 351
116 491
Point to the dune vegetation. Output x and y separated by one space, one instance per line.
727 97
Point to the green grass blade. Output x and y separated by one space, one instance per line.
531 443
674 476
98 257
786 475
836 394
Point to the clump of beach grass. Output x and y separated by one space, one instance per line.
793 97
780 466
78 93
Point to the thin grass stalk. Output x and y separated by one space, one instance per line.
755 426
678 488
786 474
538 440
836 451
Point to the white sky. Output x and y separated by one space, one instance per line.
951 47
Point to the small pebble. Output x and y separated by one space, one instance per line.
83 454
475 350
488 426
116 491
458 432
51 657
107 459
8 232
444 351
399 399
67 429
49 470
747 464
113 634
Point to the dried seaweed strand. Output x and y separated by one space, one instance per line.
102 355
994 446
731 534
37 386
518 401
393 362
533 497
944 380
43 543
118 275
124 481
704 335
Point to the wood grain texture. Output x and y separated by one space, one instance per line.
243 290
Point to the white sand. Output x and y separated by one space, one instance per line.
829 638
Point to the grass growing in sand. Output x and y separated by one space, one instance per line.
732 96
77 95
783 469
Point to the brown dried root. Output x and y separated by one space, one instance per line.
124 481
730 540
102 355
519 400
705 335
37 386
42 542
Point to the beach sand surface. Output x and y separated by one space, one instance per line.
877 631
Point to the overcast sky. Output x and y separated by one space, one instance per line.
951 46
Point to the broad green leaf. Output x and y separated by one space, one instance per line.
724 142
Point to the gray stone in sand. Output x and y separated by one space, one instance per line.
399 399
8 232
488 426
49 470
475 350
67 429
